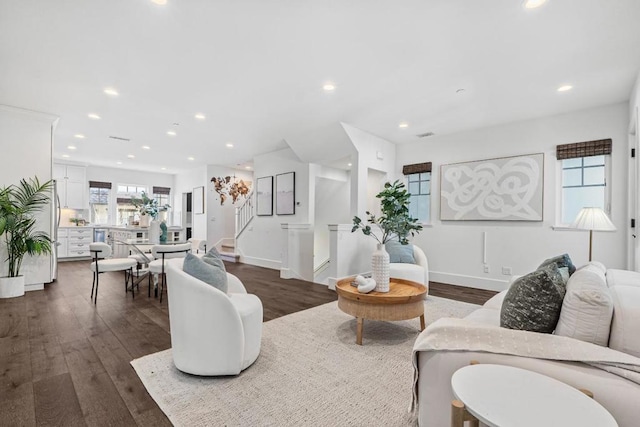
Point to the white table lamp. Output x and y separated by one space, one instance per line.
593 219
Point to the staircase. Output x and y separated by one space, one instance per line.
228 251
244 214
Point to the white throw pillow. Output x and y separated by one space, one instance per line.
587 307
622 277
625 327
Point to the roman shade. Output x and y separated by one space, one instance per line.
416 168
583 149
99 184
161 190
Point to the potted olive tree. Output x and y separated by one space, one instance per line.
18 206
394 222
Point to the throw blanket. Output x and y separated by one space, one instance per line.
465 335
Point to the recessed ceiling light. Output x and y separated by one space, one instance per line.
247 167
71 147
565 88
190 158
111 91
329 87
66 156
349 164
131 156
159 2
163 168
532 4
146 147
118 163
171 133
200 116
229 145
79 136
403 125
93 116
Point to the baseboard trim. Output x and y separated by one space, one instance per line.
469 281
34 287
261 262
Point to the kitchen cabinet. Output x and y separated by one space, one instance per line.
72 185
74 242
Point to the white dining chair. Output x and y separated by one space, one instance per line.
157 266
102 263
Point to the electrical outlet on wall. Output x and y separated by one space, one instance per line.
486 268
507 271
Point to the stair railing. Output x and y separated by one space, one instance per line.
244 214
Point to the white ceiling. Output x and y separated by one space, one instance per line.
256 69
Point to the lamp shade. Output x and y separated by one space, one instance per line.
593 219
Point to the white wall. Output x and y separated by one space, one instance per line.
454 249
185 182
221 218
371 153
126 176
261 243
331 207
26 142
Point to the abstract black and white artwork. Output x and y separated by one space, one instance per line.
503 189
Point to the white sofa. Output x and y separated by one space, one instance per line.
618 395
212 332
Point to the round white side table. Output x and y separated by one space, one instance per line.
504 396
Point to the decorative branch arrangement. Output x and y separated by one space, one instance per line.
148 206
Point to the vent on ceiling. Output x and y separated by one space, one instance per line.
425 135
119 138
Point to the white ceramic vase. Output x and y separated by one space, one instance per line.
11 287
380 268
144 220
154 231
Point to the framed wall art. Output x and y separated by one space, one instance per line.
198 200
502 189
264 196
286 193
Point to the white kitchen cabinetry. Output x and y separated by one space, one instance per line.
63 242
72 185
75 242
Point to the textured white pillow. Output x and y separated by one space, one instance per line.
587 307
625 327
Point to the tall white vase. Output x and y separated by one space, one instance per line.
154 231
380 268
144 220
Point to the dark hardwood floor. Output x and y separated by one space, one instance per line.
65 362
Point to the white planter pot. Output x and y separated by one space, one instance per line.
380 268
154 231
11 287
144 220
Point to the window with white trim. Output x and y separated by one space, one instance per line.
585 168
419 186
99 200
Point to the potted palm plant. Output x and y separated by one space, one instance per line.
394 222
19 205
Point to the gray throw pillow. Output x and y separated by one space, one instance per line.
213 252
211 260
207 273
561 261
534 301
399 252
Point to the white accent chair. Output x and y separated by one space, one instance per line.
212 333
102 263
157 266
418 272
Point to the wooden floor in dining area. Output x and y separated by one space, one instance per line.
65 361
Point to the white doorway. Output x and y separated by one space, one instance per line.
633 260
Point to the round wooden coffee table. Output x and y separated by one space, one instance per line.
403 301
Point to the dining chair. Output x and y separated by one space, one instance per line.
198 245
102 263
157 266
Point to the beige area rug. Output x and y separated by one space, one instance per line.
310 372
